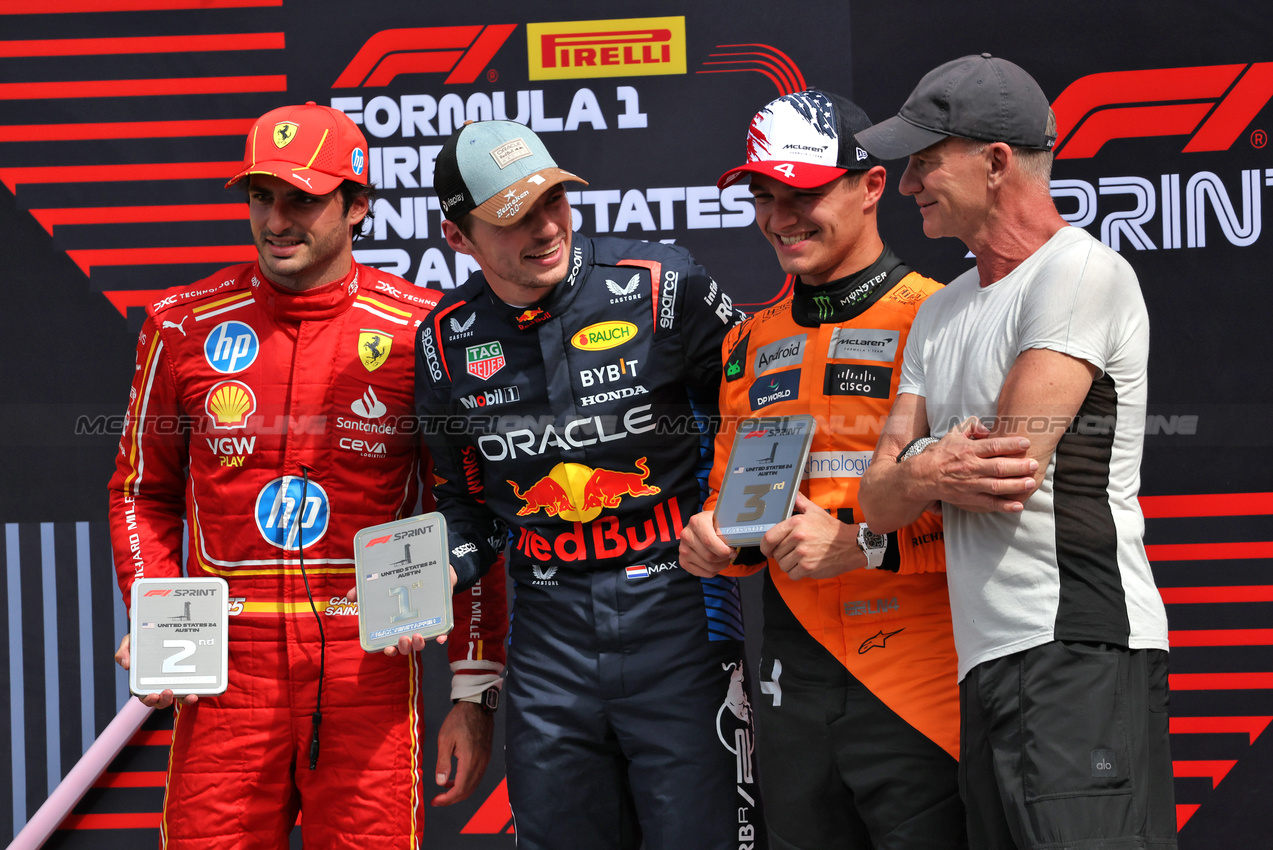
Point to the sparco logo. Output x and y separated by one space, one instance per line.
667 300
430 354
1161 102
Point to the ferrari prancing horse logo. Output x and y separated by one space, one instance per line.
373 348
284 132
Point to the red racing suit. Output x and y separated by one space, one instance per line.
266 419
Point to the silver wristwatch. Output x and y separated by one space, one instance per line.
873 546
914 447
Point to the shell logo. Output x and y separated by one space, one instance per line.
603 335
229 404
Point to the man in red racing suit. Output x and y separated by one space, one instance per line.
272 408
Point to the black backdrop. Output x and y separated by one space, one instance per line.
121 119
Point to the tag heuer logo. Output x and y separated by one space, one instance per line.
484 360
284 132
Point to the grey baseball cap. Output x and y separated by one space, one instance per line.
495 170
976 97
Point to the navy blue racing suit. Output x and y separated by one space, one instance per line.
568 430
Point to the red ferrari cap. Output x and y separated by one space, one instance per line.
314 148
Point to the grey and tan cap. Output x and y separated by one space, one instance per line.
495 170
976 97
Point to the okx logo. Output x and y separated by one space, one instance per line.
1213 105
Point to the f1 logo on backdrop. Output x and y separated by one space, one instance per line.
461 52
1214 104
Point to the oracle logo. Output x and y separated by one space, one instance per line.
1213 104
461 52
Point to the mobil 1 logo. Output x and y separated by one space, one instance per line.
857 379
178 636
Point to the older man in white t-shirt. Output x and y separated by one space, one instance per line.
1029 372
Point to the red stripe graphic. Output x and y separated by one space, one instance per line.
1205 595
151 738
1252 726
14 177
774 64
132 779
1221 637
493 816
1215 504
1209 551
122 299
129 130
143 44
134 820
1213 770
142 88
88 258
1184 811
56 7
52 218
1220 681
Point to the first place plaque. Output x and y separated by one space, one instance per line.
179 636
766 464
404 581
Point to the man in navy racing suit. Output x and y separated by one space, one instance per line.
556 388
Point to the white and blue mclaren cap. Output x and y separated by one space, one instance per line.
495 170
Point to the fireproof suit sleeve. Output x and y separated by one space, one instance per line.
707 313
147 490
475 534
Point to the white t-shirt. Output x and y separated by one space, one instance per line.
1072 565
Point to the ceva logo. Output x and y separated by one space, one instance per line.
460 52
1213 104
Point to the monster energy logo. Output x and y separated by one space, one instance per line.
823 301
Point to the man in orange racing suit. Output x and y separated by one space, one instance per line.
272 408
858 725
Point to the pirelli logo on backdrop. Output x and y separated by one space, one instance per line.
627 47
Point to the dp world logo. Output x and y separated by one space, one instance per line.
284 521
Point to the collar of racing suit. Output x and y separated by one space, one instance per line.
556 302
312 305
841 300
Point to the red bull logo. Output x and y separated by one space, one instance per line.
530 317
606 537
578 493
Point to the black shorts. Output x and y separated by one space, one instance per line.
839 769
1065 745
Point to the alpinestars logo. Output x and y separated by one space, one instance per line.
1213 104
